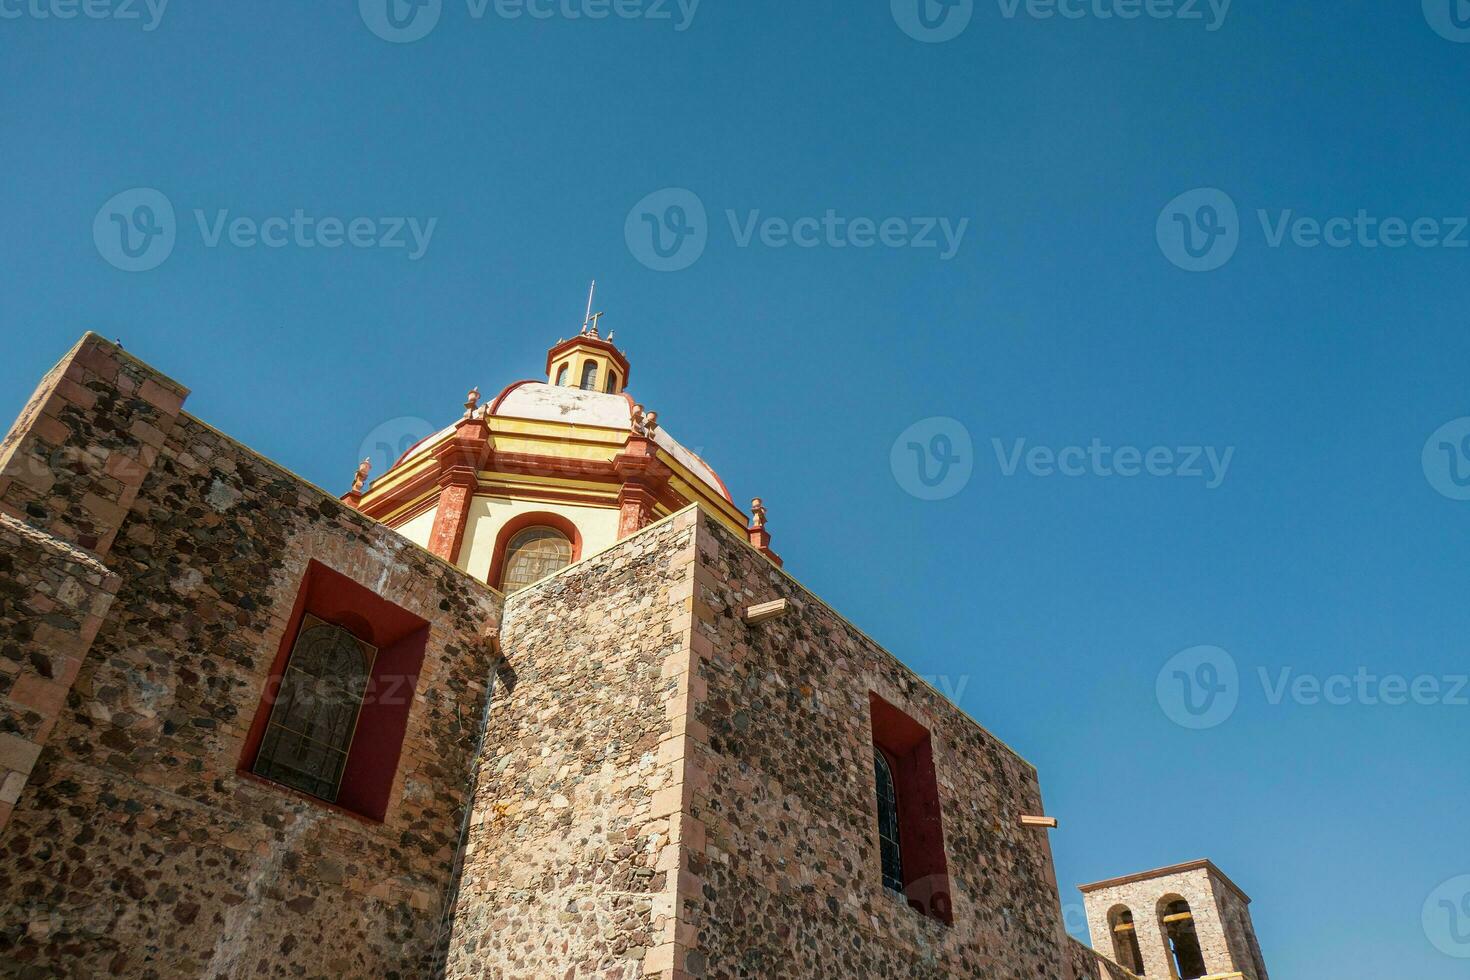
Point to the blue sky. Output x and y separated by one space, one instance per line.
1049 604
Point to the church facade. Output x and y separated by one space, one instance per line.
538 701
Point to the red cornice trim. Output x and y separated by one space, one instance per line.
518 524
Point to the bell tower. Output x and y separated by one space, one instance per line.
1181 923
587 361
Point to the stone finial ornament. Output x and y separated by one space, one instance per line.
471 400
757 514
360 480
644 423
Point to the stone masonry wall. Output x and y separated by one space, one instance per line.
52 600
137 848
783 872
575 827
1084 963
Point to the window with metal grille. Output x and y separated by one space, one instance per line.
589 376
561 376
314 715
532 555
612 382
888 841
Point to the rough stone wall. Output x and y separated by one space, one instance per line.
786 879
136 848
1201 890
1240 932
52 600
575 829
1084 963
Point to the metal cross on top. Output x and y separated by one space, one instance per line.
589 321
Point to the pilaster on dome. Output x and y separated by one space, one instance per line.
587 361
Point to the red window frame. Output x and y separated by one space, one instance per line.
401 639
910 752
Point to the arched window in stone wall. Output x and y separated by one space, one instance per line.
888 841
1178 925
532 555
612 382
589 376
561 376
1126 951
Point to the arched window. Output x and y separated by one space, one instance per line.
589 376
888 841
315 711
1125 940
612 382
1178 924
532 555
561 376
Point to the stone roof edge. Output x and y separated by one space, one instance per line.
1094 953
1203 864
114 347
815 598
266 460
888 653
50 542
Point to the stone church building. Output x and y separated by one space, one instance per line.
539 701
